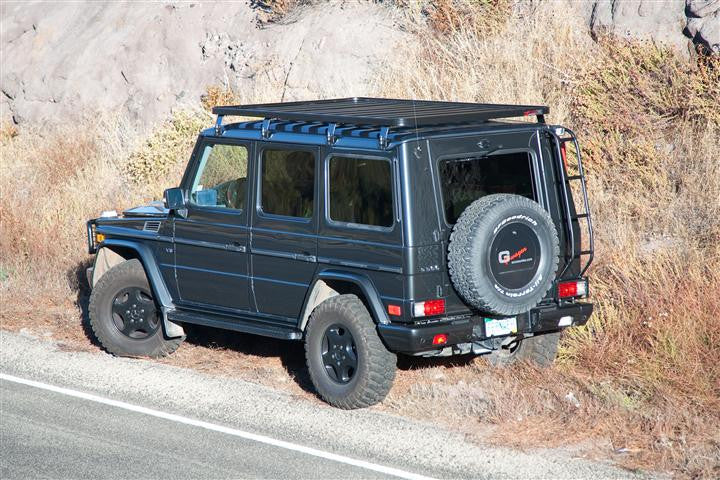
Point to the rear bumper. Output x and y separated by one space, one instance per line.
409 338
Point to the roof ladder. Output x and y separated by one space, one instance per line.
566 191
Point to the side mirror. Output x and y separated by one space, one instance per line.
175 201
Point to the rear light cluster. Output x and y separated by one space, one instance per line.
440 339
575 288
429 308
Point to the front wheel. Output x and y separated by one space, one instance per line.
124 316
348 363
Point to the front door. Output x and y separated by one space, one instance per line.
284 230
211 242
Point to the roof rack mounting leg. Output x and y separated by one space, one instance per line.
265 132
219 125
331 133
383 137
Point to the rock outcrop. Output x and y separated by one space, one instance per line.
679 23
64 61
703 23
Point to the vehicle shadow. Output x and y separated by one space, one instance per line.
409 362
290 353
77 278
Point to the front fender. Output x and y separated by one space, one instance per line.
155 279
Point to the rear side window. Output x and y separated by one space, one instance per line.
464 180
288 183
360 191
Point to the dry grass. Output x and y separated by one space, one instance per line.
644 374
646 369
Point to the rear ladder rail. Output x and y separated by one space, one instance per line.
566 196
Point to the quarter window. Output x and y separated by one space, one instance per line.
361 191
288 183
221 180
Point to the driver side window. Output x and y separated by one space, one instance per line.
221 179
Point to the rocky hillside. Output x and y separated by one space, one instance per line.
680 23
65 61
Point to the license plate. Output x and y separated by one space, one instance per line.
500 327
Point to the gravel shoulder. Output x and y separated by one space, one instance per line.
366 434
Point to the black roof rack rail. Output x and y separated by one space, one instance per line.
383 112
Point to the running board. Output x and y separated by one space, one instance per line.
236 324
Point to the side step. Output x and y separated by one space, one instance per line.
236 324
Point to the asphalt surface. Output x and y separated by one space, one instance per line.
49 435
46 434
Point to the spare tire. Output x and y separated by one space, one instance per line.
503 254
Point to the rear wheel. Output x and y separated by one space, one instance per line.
348 363
124 316
539 349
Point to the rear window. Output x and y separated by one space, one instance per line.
464 180
360 191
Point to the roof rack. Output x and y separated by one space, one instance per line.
385 113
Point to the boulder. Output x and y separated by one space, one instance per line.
703 23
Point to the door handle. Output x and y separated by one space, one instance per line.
235 247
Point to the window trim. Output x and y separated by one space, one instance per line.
533 166
197 159
259 181
360 226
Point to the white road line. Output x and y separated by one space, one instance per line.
218 428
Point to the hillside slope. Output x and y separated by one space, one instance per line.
65 61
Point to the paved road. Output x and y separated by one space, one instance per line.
45 434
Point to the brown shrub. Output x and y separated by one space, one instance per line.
482 17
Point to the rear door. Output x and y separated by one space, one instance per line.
211 242
479 165
360 227
284 229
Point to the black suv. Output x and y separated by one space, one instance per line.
365 227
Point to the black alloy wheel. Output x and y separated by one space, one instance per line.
339 353
348 363
134 313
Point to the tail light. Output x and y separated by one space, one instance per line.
575 288
440 339
429 308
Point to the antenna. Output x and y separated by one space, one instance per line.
418 148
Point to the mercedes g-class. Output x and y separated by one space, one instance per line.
364 227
